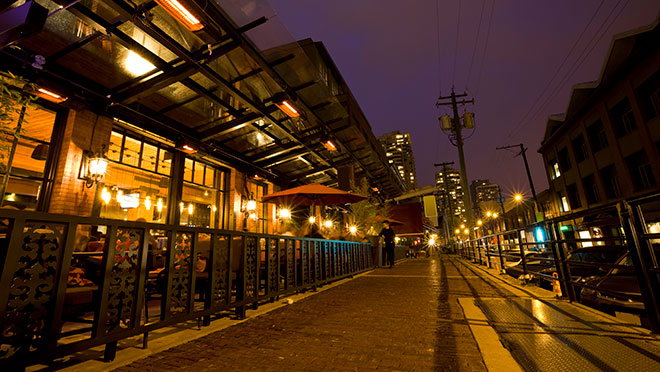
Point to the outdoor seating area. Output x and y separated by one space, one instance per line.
64 299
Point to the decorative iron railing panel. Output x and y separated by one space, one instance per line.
70 283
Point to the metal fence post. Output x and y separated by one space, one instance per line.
561 265
499 252
631 221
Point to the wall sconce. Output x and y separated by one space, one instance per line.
40 152
283 102
93 167
352 229
311 219
328 224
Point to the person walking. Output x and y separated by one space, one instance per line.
388 235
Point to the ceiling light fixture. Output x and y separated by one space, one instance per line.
283 102
49 95
181 14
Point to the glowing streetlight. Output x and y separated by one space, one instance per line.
462 226
352 229
457 231
328 223
489 213
466 231
311 219
480 222
517 197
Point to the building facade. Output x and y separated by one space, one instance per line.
193 129
483 192
606 146
398 148
450 193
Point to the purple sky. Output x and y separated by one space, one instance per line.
387 51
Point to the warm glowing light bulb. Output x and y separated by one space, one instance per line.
190 208
431 241
285 213
328 223
159 205
480 222
457 231
466 231
120 196
137 65
517 197
181 207
105 195
495 215
311 219
352 229
214 208
489 213
462 226
147 202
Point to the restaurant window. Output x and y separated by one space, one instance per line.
597 136
640 171
137 181
23 161
622 118
204 195
260 222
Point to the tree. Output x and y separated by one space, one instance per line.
13 103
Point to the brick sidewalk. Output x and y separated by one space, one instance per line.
405 319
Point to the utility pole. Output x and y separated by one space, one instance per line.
456 130
529 175
446 200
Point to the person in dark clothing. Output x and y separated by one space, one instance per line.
388 235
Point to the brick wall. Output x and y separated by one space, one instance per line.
70 196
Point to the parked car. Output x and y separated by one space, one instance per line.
618 290
536 262
590 255
512 258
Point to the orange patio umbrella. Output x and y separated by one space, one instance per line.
313 194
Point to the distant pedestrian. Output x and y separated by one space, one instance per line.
388 235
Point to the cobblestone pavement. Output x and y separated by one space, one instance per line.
401 319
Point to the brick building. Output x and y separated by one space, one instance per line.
606 146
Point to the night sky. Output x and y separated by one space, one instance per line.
387 51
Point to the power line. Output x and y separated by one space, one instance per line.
559 68
583 57
437 22
483 58
476 42
458 29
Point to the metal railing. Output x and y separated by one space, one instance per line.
60 294
550 253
